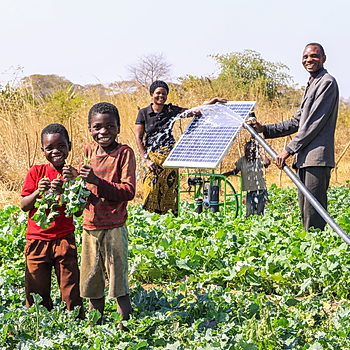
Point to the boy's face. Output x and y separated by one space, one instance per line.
104 130
55 148
250 153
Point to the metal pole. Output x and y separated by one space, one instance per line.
314 202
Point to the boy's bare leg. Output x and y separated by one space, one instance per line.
124 308
97 304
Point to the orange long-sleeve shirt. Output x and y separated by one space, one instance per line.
106 207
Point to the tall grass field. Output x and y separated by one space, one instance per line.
23 115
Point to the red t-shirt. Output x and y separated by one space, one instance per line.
106 207
62 225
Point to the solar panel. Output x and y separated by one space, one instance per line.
209 136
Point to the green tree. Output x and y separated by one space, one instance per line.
40 86
63 104
250 73
56 96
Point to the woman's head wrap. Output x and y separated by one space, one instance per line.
156 84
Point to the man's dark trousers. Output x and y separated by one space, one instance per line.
316 180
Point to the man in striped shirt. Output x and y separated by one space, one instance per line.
110 176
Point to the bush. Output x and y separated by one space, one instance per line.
250 73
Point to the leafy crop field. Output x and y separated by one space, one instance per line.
201 282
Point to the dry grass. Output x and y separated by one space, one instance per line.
21 122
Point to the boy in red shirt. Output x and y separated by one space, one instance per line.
110 177
54 246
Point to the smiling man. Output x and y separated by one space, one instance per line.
313 145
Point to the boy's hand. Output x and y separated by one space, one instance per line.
69 173
56 185
44 184
88 175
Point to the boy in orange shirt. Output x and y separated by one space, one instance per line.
110 177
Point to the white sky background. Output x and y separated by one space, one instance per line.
90 41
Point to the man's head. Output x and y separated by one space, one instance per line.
104 108
55 144
313 58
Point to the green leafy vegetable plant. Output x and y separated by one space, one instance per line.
74 196
75 193
218 282
47 201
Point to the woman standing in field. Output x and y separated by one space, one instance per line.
155 140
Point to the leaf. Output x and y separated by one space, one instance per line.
292 302
254 279
277 277
306 285
182 264
174 346
141 345
304 266
45 343
250 347
222 317
159 342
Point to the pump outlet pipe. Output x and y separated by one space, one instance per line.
314 202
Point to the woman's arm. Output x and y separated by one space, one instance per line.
215 100
210 102
139 132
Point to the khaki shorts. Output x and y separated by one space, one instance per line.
104 251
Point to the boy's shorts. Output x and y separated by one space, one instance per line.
41 256
104 251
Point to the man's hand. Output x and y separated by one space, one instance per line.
281 158
44 184
87 173
258 127
56 185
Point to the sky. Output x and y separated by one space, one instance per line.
89 41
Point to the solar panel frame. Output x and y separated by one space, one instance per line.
218 140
